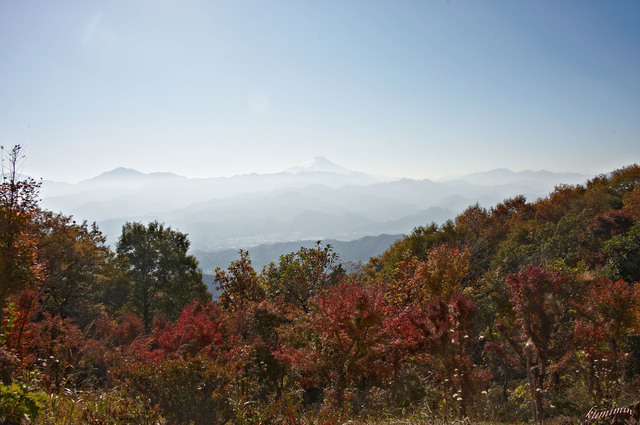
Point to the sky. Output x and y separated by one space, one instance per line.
417 89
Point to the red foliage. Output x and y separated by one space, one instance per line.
540 334
21 332
199 328
536 295
122 331
347 339
440 334
607 316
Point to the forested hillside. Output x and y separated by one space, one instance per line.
525 311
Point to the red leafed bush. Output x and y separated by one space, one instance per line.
184 367
199 327
345 340
121 331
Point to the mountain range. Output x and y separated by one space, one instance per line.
318 200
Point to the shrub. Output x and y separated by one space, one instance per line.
194 390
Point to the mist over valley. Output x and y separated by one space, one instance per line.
273 214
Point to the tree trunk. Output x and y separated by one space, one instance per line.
532 389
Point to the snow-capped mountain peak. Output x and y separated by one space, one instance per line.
318 164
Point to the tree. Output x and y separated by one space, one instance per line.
607 317
540 339
439 334
19 266
345 340
301 275
239 284
164 278
625 179
632 203
601 228
79 267
624 255
441 275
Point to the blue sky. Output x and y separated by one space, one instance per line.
418 89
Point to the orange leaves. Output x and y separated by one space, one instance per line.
632 203
19 266
441 275
21 333
445 270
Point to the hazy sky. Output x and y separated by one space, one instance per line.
418 89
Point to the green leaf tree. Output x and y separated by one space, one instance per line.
624 255
163 276
239 284
300 276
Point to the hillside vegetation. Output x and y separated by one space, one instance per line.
525 311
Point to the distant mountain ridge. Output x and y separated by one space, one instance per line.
499 176
356 251
315 172
129 175
317 200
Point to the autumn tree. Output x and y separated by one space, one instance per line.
417 244
625 179
541 335
632 203
441 274
473 228
432 320
438 335
256 321
199 328
79 266
19 266
558 203
600 229
506 214
608 315
342 341
163 276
